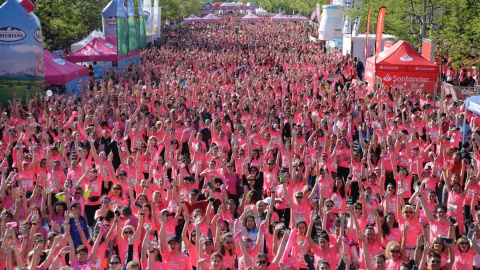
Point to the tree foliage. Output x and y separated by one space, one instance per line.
65 21
453 24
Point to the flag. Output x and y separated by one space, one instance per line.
319 15
147 10
156 17
366 35
378 34
131 27
122 33
141 24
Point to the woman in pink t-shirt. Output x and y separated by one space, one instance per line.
245 247
464 253
225 245
456 199
395 253
390 230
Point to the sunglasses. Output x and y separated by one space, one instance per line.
114 263
329 205
394 251
299 197
78 193
128 232
262 262
408 212
440 212
464 243
247 243
116 188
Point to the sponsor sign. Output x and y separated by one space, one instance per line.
11 34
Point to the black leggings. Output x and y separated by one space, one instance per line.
343 173
90 214
285 213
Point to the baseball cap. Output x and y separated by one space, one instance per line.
173 238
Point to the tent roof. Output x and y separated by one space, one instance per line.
250 16
226 4
78 45
192 18
96 50
402 57
473 104
299 17
59 71
210 17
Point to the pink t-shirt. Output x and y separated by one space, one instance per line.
178 261
330 255
437 229
392 265
463 260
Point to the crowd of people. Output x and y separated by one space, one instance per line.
239 145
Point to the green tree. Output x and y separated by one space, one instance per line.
306 7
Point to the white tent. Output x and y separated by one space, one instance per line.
210 18
191 19
251 17
77 46
261 11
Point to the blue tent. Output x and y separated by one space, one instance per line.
473 104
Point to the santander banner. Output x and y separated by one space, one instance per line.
411 80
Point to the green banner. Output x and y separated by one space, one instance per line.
122 33
132 27
141 22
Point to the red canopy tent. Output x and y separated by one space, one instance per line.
399 65
95 50
59 71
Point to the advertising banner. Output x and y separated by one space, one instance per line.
366 35
132 27
380 25
156 18
147 10
141 26
122 33
109 19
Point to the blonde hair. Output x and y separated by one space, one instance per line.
390 245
